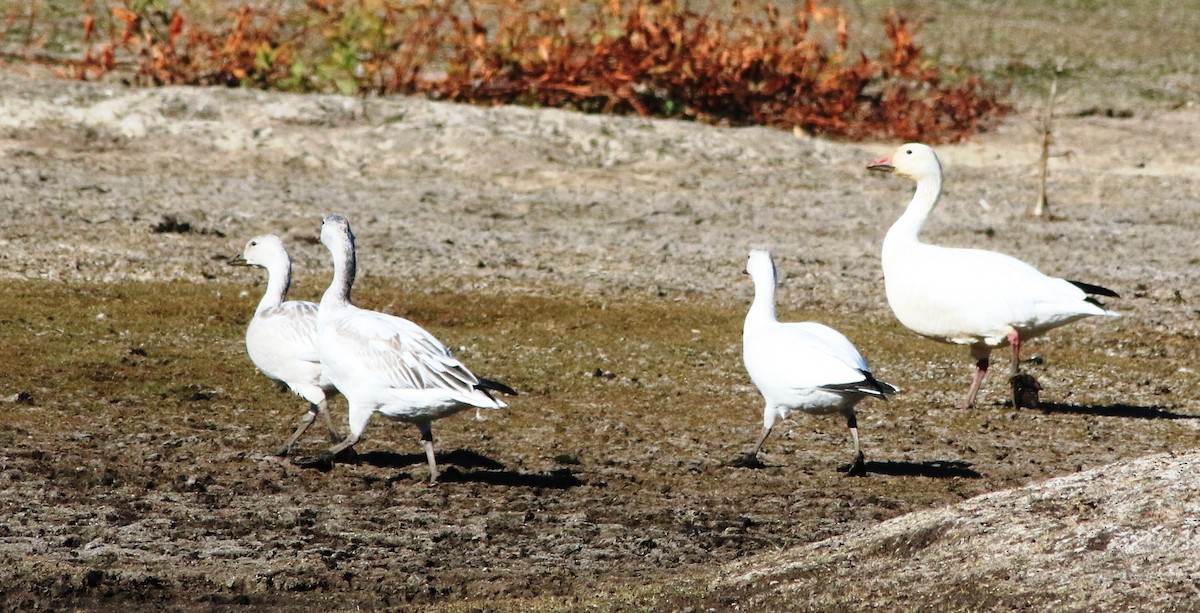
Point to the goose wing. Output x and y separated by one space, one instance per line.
838 347
398 353
807 355
289 329
831 342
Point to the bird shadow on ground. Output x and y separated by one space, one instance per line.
463 458
933 469
558 479
480 469
1115 410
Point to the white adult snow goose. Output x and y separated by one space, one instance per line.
382 363
281 337
972 297
805 367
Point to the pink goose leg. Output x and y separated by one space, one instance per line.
981 368
981 353
1014 339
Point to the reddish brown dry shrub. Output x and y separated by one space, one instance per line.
650 58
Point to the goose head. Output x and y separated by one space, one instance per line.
336 234
913 160
261 251
761 267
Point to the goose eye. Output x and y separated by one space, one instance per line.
253 243
909 152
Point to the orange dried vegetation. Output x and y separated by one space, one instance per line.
646 57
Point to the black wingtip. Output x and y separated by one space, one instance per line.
1094 290
884 388
488 384
869 386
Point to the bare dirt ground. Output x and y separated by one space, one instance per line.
593 263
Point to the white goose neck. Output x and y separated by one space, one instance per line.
279 279
763 307
907 229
